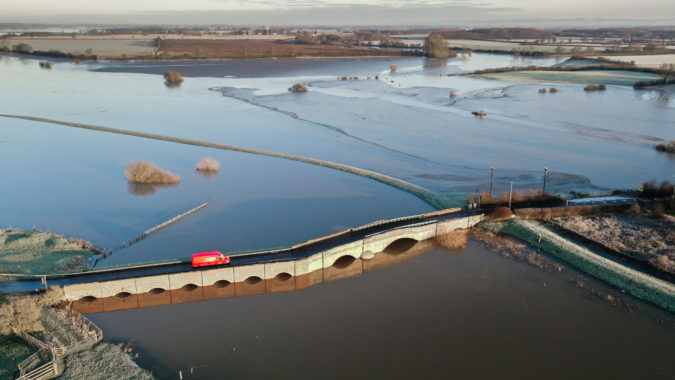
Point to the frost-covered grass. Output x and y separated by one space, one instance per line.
36 252
103 361
639 236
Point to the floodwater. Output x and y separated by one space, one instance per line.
71 181
404 125
445 314
464 314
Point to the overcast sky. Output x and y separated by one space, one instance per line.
342 12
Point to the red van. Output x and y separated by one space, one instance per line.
204 259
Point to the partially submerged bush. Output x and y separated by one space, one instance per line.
480 113
542 90
146 172
553 90
499 214
595 87
173 78
653 189
519 196
435 46
45 64
208 164
668 147
298 87
393 68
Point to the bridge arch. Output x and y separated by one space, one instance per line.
122 295
190 287
156 291
87 299
252 280
344 261
283 277
221 284
399 246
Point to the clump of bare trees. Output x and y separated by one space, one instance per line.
435 46
297 88
652 188
207 164
595 87
668 147
147 172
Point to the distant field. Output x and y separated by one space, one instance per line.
621 78
652 61
237 48
99 46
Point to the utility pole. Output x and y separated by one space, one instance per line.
492 174
510 195
543 191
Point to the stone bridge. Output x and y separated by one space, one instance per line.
337 262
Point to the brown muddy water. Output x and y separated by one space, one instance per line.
464 313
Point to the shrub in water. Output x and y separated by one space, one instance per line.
298 87
208 164
146 172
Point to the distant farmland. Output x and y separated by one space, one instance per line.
100 47
202 48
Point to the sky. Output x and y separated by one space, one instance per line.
343 12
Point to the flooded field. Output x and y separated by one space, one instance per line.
465 313
404 125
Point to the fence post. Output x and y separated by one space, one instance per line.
510 195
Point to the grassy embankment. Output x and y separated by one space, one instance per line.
607 72
37 252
